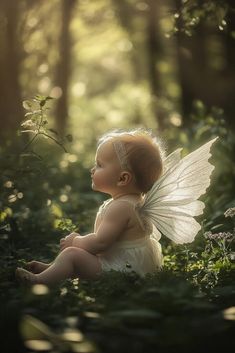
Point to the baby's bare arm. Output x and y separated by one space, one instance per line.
97 222
68 240
112 225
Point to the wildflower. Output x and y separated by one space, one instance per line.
232 256
208 235
230 212
220 236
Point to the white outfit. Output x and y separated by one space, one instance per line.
142 255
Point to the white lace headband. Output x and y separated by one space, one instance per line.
121 154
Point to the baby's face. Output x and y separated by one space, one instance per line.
106 172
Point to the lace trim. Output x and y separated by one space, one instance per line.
121 154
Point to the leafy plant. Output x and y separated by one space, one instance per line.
36 121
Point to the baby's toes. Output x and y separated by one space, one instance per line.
32 266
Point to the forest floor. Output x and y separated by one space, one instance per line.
174 310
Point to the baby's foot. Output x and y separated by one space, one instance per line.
36 266
25 276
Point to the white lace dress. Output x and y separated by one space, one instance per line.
142 255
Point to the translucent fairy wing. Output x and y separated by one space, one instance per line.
171 160
173 201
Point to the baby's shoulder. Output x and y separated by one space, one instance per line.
119 206
104 205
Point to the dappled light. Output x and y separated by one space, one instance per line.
40 289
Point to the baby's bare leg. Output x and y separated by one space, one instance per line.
37 266
70 263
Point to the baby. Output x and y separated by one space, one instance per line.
127 164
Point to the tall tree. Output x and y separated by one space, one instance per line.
155 52
126 13
150 47
64 64
201 75
11 111
184 66
230 59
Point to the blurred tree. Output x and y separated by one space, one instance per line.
205 52
127 15
155 53
123 60
10 59
64 64
141 21
230 58
184 58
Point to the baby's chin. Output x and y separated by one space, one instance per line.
94 187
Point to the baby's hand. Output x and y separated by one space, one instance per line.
67 241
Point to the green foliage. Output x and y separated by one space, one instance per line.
190 14
36 121
46 195
66 224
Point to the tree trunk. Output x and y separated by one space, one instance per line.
126 13
155 53
185 66
230 69
64 65
198 79
10 93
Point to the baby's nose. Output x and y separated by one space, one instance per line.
92 170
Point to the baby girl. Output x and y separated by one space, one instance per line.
127 164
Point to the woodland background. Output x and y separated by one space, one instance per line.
167 65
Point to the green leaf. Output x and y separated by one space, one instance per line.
48 98
42 99
27 105
39 98
42 102
29 114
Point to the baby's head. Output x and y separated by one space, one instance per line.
139 153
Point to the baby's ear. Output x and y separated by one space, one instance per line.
125 178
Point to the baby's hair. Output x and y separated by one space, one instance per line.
140 152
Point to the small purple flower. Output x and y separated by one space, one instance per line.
220 236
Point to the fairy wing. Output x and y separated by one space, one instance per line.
171 160
172 203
